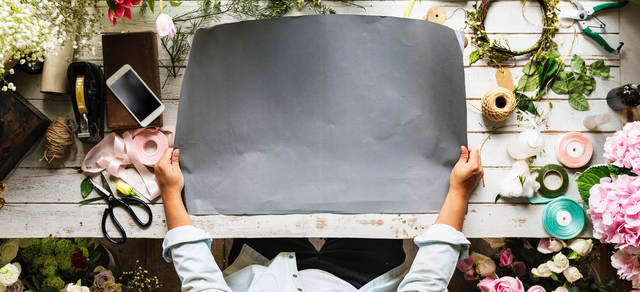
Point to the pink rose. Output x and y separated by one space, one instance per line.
506 257
486 285
465 264
102 277
536 288
550 245
164 26
519 268
15 287
508 284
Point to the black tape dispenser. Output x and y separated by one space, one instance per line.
86 85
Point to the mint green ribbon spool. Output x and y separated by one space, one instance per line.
563 218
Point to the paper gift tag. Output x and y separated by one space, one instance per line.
504 78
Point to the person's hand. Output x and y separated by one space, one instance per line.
169 175
467 172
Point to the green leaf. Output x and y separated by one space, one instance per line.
530 68
474 57
528 83
526 104
548 71
565 76
575 86
616 170
152 5
560 87
599 69
112 5
589 84
578 101
86 187
589 178
573 255
175 3
578 65
87 201
497 198
554 277
48 289
553 53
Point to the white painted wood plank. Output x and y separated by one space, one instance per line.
62 186
562 117
84 221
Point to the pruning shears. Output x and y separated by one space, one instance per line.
582 14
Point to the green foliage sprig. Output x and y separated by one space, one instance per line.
498 50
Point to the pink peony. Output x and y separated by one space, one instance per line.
519 268
536 288
465 264
614 206
622 149
164 26
486 285
506 257
508 284
627 262
550 245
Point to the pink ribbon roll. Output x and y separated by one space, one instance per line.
140 148
574 150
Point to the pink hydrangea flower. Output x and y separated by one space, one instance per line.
506 257
614 206
622 149
508 284
627 262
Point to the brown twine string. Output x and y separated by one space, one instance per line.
57 140
2 188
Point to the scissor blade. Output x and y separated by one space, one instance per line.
100 189
579 6
571 14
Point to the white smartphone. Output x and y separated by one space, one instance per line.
135 95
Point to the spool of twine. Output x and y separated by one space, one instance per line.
498 104
57 140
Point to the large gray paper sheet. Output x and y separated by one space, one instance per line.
338 114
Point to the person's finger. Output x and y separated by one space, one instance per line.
474 157
175 157
166 157
464 154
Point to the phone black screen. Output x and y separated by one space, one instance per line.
135 95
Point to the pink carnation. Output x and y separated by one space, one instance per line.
614 206
622 149
627 262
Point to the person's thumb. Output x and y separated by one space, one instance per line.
175 157
464 154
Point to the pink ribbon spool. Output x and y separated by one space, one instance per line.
149 146
574 150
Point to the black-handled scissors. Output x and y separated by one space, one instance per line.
124 202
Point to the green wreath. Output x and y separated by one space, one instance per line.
498 51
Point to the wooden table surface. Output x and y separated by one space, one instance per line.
43 202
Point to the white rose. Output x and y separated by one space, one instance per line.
559 264
8 251
484 264
75 288
541 271
572 274
561 289
9 274
581 246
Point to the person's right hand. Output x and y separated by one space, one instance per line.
467 172
169 175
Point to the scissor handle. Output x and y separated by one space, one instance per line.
127 202
108 212
611 5
598 38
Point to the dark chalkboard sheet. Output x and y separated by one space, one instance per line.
333 113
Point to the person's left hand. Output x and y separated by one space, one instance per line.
169 175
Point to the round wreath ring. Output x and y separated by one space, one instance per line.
497 52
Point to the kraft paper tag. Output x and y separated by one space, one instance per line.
504 78
436 14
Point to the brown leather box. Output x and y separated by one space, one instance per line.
21 126
140 50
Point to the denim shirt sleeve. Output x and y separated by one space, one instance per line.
189 249
440 247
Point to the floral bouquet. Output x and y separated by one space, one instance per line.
612 192
553 266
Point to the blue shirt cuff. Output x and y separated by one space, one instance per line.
442 233
180 235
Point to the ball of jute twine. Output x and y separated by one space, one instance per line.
498 104
57 140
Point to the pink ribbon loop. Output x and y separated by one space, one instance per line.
141 148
